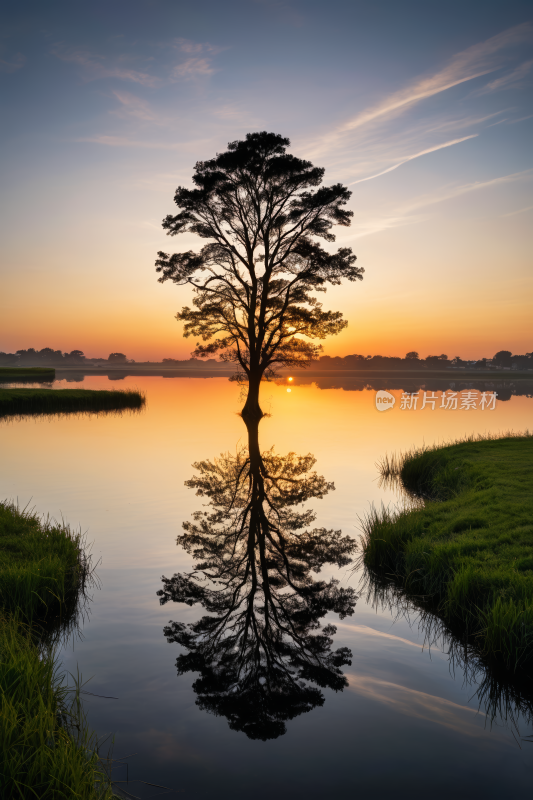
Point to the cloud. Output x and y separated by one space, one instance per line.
192 68
477 60
464 122
457 191
416 155
193 48
405 214
513 78
17 62
96 67
198 65
133 106
520 211
520 119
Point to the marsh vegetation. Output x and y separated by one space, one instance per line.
467 550
46 747
37 402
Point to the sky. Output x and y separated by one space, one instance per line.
425 110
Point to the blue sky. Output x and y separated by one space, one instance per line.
424 109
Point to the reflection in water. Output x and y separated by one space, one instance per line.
504 699
506 388
260 651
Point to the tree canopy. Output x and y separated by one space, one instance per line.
262 210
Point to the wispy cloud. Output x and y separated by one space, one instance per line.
13 64
512 79
194 48
475 61
95 67
133 106
416 155
409 213
199 64
466 188
372 140
520 211
192 68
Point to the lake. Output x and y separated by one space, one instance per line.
410 717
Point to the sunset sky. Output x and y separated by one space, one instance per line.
424 109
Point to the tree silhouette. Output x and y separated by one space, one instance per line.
259 650
117 358
502 358
261 208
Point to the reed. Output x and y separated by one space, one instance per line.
37 402
47 750
44 568
468 550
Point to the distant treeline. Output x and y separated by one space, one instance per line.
47 357
503 359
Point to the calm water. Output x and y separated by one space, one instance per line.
408 720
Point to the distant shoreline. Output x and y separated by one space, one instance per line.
447 374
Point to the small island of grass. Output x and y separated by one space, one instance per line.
15 402
467 554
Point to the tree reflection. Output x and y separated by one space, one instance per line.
262 655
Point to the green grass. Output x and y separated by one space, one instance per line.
46 748
44 569
21 402
37 374
468 551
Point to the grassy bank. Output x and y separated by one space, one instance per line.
468 552
46 748
43 568
14 402
36 374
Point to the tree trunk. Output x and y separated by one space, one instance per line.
254 452
251 411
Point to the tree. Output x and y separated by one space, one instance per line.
261 210
437 361
117 358
75 357
502 358
412 356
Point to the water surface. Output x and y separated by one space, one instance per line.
407 719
